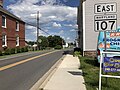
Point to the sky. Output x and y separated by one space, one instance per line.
57 17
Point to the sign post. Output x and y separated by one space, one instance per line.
109 65
105 19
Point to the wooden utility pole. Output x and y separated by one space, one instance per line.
37 29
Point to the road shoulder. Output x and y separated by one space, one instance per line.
67 76
40 84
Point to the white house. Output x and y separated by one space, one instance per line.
87 12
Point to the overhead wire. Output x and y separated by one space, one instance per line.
36 26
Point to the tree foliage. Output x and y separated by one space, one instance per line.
55 40
50 41
31 43
43 41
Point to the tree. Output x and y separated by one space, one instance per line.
31 43
58 40
51 41
43 42
55 40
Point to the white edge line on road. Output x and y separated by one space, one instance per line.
40 84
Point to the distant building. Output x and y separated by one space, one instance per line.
66 45
12 29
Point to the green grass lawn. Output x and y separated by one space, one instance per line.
91 75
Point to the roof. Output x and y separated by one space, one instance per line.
9 14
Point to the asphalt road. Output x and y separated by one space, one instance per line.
22 76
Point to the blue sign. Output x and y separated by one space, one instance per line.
111 64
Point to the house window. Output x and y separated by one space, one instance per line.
3 21
17 26
17 41
4 40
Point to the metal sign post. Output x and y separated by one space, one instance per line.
105 45
109 68
105 20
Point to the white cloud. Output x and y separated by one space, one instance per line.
40 33
31 33
65 0
61 32
51 2
27 10
12 1
46 30
56 25
68 38
72 30
30 27
58 33
51 17
33 16
68 25
75 26
71 25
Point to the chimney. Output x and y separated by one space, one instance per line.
1 3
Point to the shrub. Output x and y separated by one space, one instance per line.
48 48
18 50
13 51
7 52
5 47
25 49
77 53
42 48
1 53
22 50
58 47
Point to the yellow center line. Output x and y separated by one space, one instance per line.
23 61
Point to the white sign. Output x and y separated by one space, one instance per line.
105 8
105 22
101 62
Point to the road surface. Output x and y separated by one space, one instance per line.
22 72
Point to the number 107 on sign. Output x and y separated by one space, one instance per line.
105 25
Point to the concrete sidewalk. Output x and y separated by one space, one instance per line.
67 76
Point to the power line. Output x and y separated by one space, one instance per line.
36 26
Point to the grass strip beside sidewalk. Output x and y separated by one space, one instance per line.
90 69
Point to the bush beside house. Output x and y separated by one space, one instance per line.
9 51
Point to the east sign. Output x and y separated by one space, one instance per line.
105 8
105 18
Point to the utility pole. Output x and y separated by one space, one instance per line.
37 29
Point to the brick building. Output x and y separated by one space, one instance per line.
12 30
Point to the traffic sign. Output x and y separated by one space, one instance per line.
105 18
105 22
105 8
39 40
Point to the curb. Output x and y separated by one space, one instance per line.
40 84
21 54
